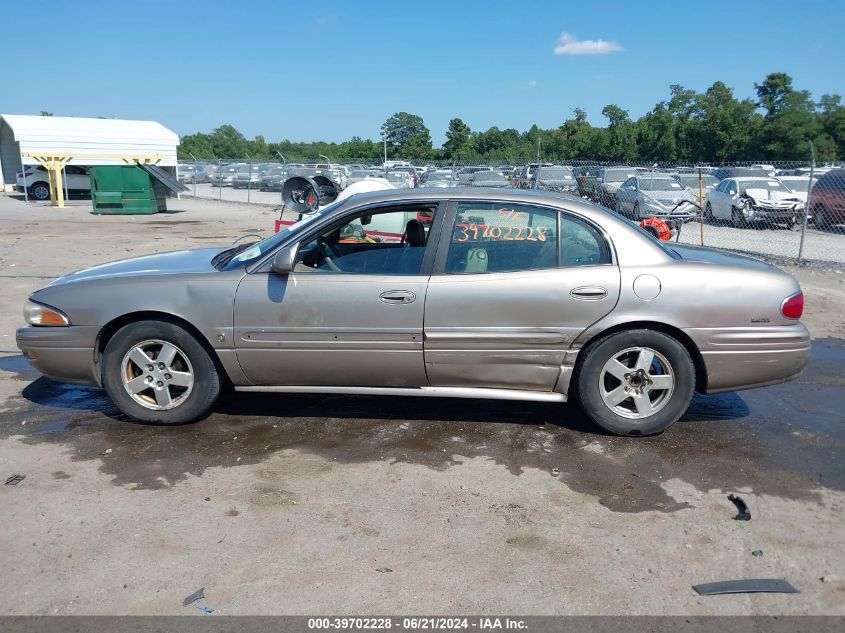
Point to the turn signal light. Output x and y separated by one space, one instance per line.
38 314
793 307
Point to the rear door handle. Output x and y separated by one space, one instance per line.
589 293
397 297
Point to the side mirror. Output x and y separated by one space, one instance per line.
283 261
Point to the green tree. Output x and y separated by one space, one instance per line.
621 135
401 128
457 139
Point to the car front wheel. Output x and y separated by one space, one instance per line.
636 382
157 372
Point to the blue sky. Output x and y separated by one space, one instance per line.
329 70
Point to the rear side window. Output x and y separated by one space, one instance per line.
581 244
492 237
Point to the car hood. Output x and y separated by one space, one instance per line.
773 198
176 262
713 256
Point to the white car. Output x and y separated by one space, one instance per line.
35 180
753 199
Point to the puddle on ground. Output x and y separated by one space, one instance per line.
785 440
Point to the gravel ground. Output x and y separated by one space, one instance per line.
308 504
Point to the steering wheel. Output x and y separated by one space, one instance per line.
328 252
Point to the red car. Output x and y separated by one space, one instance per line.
827 199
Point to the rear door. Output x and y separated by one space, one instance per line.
514 285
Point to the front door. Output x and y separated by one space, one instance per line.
514 285
351 312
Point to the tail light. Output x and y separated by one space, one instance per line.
793 307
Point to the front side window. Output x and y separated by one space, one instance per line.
497 237
376 243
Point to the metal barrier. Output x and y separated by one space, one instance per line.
791 212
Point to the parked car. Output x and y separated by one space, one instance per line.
440 178
655 195
411 171
489 178
224 176
554 178
691 183
400 179
273 179
608 181
247 177
526 175
739 172
526 295
827 199
800 186
36 181
464 174
585 180
190 174
746 201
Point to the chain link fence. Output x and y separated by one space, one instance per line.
788 212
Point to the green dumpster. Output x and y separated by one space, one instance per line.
131 189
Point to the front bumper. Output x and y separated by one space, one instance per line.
65 354
763 214
745 357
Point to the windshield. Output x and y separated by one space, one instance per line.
769 185
439 177
555 173
488 176
245 254
708 182
616 175
659 184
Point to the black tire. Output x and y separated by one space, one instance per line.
206 380
591 371
39 191
708 213
636 212
820 218
737 219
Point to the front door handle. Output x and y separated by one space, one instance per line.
397 297
589 293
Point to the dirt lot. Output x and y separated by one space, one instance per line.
307 504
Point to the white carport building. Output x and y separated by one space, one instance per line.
81 141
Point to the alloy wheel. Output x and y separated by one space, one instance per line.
157 375
637 382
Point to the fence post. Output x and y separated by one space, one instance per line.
807 205
249 182
701 204
220 179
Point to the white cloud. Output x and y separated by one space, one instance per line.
570 45
532 83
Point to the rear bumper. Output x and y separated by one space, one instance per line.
746 357
65 354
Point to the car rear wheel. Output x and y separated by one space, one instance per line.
39 191
636 382
157 372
